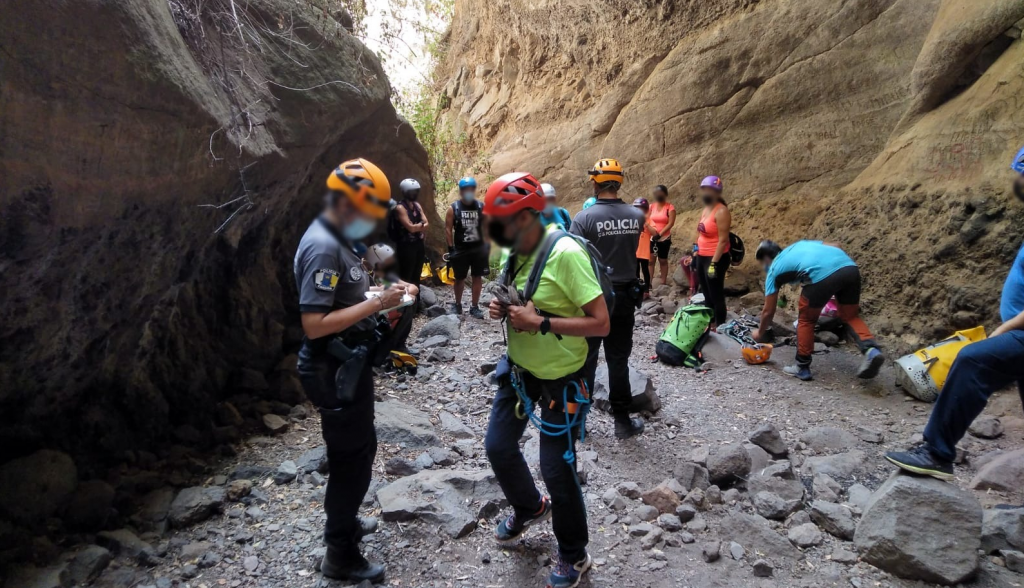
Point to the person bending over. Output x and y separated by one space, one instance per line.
825 271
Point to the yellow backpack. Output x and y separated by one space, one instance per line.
923 373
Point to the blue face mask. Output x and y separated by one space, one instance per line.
468 196
549 209
358 229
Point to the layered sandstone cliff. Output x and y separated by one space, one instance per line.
886 125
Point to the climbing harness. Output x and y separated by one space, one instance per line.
575 411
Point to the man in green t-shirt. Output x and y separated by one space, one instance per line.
547 349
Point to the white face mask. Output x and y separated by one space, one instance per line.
549 209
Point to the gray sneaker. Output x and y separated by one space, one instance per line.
456 309
476 312
804 373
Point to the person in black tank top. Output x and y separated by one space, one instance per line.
467 252
410 232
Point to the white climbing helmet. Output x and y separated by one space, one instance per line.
379 254
409 185
549 190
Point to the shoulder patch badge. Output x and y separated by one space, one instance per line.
325 279
356 273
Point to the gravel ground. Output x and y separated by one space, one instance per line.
275 540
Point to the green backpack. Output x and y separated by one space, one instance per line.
685 336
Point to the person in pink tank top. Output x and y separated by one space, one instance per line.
712 246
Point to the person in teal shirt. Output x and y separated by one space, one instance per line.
552 213
823 271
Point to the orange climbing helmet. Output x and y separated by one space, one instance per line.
364 184
606 170
756 355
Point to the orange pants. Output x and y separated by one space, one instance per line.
845 286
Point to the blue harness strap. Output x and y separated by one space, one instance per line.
573 418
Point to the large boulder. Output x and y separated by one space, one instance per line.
767 437
828 439
645 399
839 466
448 326
265 99
921 529
90 506
728 463
196 504
453 500
402 424
1005 473
1003 530
34 487
755 533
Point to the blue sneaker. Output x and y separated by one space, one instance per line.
802 372
567 574
513 526
873 361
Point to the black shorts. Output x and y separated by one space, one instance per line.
474 261
663 248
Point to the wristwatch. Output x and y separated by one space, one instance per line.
545 326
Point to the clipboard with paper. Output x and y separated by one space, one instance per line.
406 301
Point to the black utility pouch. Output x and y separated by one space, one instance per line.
353 360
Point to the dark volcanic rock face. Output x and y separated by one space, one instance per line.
125 318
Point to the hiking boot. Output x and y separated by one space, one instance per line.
798 371
476 312
921 461
626 427
456 309
873 361
352 567
513 526
567 574
367 525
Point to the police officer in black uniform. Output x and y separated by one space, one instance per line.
614 228
339 321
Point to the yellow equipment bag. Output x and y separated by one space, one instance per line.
426 273
923 373
446 275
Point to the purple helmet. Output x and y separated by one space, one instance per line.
713 182
641 203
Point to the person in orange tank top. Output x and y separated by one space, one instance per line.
643 250
662 219
712 246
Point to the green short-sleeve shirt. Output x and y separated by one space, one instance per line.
566 285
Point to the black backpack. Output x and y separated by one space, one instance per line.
736 250
395 228
601 271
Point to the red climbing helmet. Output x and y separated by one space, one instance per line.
512 193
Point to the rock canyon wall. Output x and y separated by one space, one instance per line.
126 319
885 125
